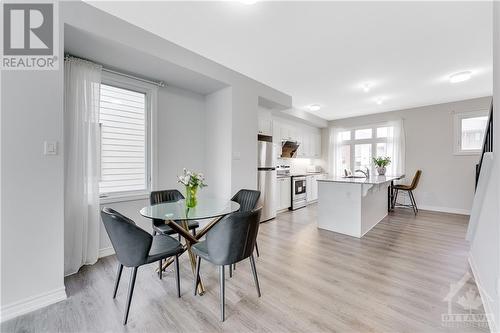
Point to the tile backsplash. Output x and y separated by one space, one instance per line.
299 165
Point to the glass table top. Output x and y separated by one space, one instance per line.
205 209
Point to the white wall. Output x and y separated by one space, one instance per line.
218 143
32 230
447 182
181 134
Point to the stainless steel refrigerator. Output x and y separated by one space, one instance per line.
267 182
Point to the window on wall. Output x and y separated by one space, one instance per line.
125 159
469 129
359 145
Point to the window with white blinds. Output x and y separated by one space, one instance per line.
123 140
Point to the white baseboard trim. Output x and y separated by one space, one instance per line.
31 304
107 251
484 298
445 209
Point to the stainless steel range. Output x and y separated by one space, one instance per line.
299 193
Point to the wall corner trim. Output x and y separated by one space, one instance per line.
30 304
484 298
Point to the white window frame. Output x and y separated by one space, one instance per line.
457 131
374 140
151 100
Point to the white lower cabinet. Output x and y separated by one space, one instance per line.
312 186
284 193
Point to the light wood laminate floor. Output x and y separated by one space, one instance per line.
392 280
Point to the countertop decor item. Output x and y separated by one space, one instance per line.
192 181
381 163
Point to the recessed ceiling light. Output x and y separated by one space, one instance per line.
379 100
460 77
367 86
248 2
314 107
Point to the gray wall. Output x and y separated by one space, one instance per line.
447 182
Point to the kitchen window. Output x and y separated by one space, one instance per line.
124 117
469 130
356 148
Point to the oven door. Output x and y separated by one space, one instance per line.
299 187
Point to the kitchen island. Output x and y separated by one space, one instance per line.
352 206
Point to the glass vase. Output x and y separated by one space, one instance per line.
191 199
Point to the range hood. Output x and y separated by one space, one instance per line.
289 149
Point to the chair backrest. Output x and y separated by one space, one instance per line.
157 197
415 180
131 243
232 239
247 199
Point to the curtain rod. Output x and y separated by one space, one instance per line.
150 81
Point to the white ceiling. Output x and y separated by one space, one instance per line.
320 52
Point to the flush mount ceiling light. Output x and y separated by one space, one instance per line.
460 77
314 107
367 86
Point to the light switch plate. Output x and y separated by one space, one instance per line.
50 148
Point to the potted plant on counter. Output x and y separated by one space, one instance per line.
192 181
381 163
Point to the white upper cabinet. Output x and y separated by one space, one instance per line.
265 122
308 137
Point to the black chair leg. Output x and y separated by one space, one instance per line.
118 276
130 293
413 204
414 201
194 232
197 275
177 276
230 271
395 199
254 271
257 249
222 292
179 237
160 270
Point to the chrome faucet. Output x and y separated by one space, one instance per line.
367 173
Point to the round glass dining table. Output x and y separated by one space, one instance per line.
176 211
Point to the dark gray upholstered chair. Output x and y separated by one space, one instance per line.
248 201
159 226
231 240
135 247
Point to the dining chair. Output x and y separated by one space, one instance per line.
248 201
409 188
230 241
159 226
135 247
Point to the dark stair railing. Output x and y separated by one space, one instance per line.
487 143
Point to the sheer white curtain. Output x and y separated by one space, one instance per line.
81 149
335 165
396 147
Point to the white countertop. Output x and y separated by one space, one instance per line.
372 180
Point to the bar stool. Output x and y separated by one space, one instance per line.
409 189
